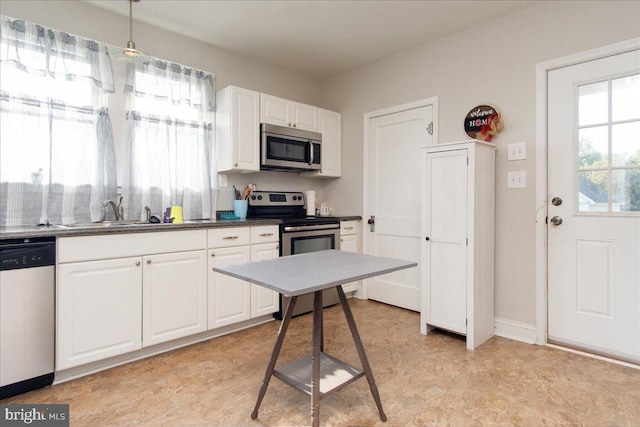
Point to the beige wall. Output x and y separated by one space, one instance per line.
495 64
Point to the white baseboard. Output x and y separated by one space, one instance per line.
515 330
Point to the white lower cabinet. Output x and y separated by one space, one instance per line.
233 300
350 242
229 298
264 301
99 310
174 296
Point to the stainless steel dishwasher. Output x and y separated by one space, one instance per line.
27 301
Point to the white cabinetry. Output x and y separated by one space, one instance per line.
264 246
233 300
330 126
106 283
350 242
282 112
238 130
99 310
457 257
174 294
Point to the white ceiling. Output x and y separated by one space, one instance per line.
318 38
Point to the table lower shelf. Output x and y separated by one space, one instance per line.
334 374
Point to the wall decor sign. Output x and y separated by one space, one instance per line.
483 123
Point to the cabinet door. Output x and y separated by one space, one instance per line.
330 126
446 249
349 243
174 294
263 300
304 116
229 298
245 123
99 310
274 110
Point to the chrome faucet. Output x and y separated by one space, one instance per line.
117 208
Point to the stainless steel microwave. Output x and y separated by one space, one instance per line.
289 149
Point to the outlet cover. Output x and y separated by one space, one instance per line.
517 151
222 180
517 179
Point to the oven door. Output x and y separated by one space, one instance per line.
302 239
313 238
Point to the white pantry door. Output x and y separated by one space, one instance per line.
393 194
594 206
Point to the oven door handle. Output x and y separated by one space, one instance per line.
312 227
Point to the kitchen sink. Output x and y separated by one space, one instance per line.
105 224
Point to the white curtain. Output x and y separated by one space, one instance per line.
57 156
171 160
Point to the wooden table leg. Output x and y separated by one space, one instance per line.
315 358
363 356
274 354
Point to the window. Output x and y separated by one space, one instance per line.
170 140
57 161
608 153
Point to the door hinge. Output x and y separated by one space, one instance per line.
430 128
466 322
467 241
467 161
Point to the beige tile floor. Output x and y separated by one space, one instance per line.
430 380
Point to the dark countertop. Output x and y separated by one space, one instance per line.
62 231
28 232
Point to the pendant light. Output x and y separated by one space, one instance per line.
130 53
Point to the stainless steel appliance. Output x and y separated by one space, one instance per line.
299 233
27 289
288 149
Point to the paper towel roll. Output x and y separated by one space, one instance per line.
310 197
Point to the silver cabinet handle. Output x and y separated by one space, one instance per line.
148 261
230 238
213 254
137 263
266 235
348 228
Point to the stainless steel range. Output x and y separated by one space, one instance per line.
299 233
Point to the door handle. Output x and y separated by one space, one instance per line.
372 223
556 220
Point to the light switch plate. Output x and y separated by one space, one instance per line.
222 180
517 179
517 151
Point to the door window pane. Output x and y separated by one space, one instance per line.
593 195
593 104
625 103
593 147
625 144
625 195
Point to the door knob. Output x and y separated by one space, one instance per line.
556 220
556 201
372 223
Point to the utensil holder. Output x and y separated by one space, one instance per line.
240 208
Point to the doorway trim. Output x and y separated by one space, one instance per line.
542 69
431 101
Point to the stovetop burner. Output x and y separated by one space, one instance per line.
287 206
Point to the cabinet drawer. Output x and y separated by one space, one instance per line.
225 237
348 227
265 234
88 248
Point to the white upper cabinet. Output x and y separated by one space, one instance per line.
330 126
238 130
282 112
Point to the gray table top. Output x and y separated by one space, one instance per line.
314 271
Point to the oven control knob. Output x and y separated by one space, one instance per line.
253 197
259 197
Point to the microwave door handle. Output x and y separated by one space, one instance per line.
310 153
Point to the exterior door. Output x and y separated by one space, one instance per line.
393 198
594 206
